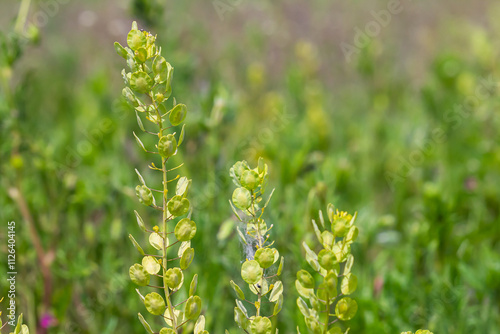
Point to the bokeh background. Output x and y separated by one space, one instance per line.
404 131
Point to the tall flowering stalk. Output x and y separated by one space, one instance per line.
262 281
148 86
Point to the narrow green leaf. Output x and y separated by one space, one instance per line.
121 50
235 211
139 121
311 257
194 285
140 295
241 235
145 324
269 199
140 222
321 220
177 114
278 305
276 292
19 325
139 142
280 267
242 308
317 231
304 309
238 290
141 179
181 136
199 326
136 244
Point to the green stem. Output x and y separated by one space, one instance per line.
22 16
259 240
327 313
165 229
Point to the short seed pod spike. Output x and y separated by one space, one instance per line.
323 294
258 270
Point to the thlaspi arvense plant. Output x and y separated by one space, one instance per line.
328 303
333 263
148 87
248 205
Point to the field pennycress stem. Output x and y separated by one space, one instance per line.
150 80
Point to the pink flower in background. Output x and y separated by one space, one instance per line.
378 285
47 320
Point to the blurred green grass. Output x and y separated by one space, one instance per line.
269 79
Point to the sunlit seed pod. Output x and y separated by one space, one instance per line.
129 95
328 239
261 287
199 326
185 229
335 330
156 240
183 185
341 251
178 206
178 114
265 257
141 55
120 50
327 259
237 170
174 277
250 179
240 318
313 324
352 234
346 309
144 195
187 258
139 275
193 307
349 284
330 284
276 292
141 82
136 39
167 146
155 304
304 292
159 97
340 227
151 265
261 325
242 198
305 279
251 272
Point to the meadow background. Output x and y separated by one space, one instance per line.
405 132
